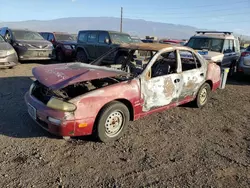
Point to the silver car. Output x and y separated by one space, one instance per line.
8 56
244 62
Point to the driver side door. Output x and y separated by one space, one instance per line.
162 85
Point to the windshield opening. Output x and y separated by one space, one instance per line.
64 37
134 62
210 44
26 35
1 39
120 38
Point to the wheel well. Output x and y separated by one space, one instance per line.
126 102
129 106
210 83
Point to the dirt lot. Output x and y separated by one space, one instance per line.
182 147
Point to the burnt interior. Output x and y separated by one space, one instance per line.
43 93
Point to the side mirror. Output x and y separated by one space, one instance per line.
107 41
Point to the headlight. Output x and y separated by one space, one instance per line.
73 46
31 88
9 52
67 47
61 105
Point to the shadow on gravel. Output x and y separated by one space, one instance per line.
14 119
239 80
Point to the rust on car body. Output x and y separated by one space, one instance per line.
166 77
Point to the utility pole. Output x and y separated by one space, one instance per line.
121 19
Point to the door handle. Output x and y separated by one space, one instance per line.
177 80
202 74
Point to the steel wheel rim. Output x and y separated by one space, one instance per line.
203 96
114 123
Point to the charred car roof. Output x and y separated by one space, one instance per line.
150 46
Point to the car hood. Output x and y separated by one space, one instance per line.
5 46
57 76
35 43
214 56
68 42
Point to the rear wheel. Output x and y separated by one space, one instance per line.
81 56
203 95
112 122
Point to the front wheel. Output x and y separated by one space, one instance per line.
112 122
81 56
60 56
203 95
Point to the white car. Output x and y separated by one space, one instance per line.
222 48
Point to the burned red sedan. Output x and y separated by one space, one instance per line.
76 99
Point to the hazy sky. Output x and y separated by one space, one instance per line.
233 15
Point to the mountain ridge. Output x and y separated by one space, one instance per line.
139 27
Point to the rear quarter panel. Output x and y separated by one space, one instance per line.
213 74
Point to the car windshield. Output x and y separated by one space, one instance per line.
120 38
211 44
26 35
62 37
1 39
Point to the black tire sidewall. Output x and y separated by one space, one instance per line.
60 54
103 115
198 103
81 56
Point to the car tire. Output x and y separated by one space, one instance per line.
203 95
81 56
60 56
112 122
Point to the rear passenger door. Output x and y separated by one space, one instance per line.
102 46
91 45
193 73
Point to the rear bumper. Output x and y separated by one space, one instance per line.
8 61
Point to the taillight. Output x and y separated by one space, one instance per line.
244 54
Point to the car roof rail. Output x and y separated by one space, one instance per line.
215 32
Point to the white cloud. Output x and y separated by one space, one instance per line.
73 0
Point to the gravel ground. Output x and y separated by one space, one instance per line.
182 147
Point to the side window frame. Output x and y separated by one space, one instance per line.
150 76
195 58
85 37
107 35
96 38
51 34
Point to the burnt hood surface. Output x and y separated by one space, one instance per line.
57 76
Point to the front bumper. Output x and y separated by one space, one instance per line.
66 128
43 54
8 61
